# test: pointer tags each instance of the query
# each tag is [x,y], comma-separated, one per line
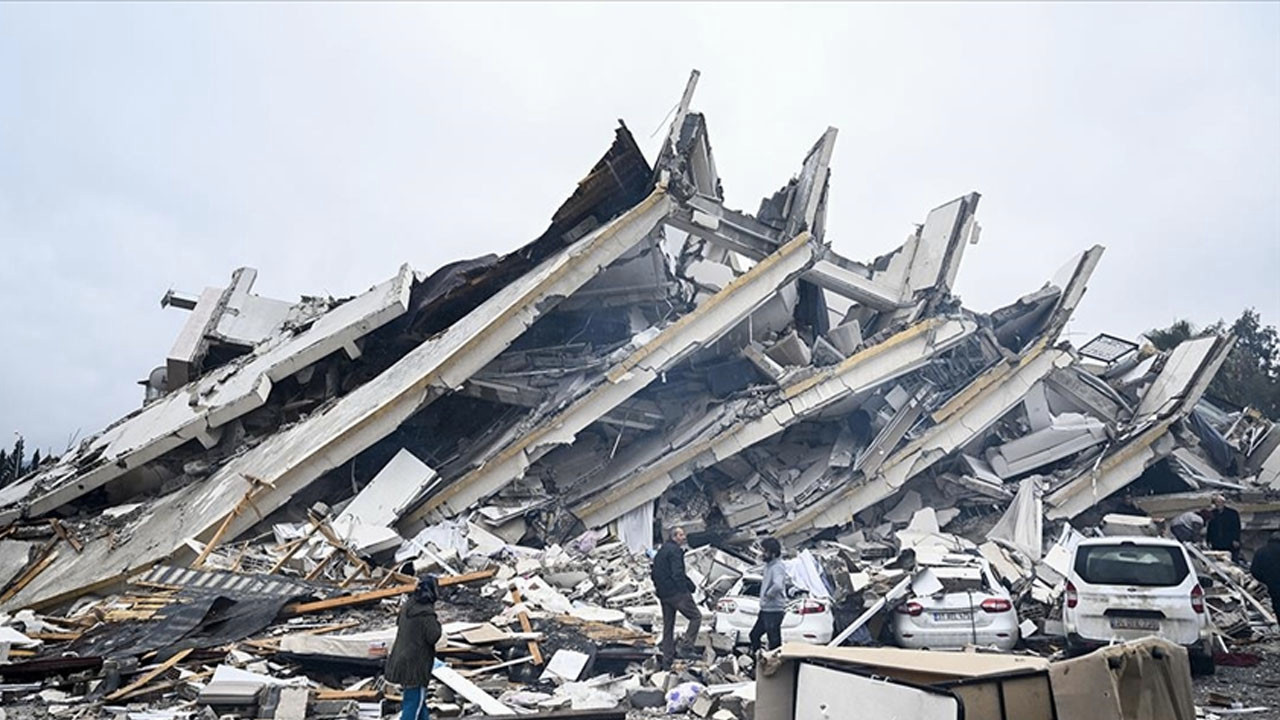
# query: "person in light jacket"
[413,655]
[773,598]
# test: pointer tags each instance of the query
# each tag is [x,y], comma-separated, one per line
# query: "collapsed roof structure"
[652,354]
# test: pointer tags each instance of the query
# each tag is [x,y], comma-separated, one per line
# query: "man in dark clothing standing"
[675,592]
[1224,527]
[1266,567]
[413,655]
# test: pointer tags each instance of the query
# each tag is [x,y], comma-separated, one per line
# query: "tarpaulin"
[1023,522]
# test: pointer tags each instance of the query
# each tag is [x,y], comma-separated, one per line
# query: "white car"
[807,620]
[971,608]
[1125,588]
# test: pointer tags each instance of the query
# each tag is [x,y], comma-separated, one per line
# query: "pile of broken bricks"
[527,426]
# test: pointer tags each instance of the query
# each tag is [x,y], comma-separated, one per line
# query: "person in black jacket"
[1266,567]
[413,654]
[1224,527]
[675,593]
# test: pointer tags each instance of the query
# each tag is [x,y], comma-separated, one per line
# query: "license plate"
[953,616]
[1134,623]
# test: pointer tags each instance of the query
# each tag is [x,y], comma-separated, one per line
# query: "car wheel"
[1201,662]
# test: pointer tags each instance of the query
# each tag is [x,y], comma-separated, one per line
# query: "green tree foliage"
[13,464]
[1251,374]
[1170,337]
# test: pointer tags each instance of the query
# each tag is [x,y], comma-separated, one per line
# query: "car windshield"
[1129,564]
[751,588]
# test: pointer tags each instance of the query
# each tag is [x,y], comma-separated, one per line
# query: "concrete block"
[846,337]
[647,697]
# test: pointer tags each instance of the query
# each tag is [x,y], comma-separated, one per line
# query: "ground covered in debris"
[1255,686]
[529,427]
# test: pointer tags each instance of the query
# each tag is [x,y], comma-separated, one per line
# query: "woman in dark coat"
[414,652]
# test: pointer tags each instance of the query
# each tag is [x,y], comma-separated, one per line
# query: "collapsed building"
[653,359]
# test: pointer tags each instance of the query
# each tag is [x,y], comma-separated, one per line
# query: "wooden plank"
[365,695]
[149,676]
[374,595]
[527,626]
[244,549]
[55,636]
[295,546]
[332,538]
[347,600]
[362,569]
[318,570]
[497,666]
[245,502]
[26,577]
[66,536]
[345,624]
[168,685]
[464,578]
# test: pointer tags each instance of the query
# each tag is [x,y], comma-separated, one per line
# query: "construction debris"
[524,426]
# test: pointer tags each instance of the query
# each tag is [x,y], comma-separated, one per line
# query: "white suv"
[1125,588]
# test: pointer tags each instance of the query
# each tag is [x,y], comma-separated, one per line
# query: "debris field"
[528,427]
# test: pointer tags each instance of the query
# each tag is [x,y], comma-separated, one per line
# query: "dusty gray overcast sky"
[144,147]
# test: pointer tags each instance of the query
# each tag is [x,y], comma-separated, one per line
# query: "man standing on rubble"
[1224,527]
[1266,568]
[675,593]
[773,598]
[413,655]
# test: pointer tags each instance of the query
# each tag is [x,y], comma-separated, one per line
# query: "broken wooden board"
[469,690]
[147,677]
[375,595]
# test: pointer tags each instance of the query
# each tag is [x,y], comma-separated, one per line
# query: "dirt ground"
[1252,686]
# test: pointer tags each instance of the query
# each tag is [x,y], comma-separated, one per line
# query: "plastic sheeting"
[450,535]
[1023,522]
[805,572]
[635,529]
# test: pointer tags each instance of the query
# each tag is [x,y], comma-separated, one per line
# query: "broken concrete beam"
[764,363]
[961,418]
[391,492]
[986,399]
[290,460]
[789,351]
[199,410]
[703,325]
[847,337]
[1066,435]
[869,368]
[1121,525]
[824,353]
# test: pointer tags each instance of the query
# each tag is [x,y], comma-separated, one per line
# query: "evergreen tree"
[18,457]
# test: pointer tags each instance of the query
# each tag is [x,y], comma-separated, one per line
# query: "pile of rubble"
[524,425]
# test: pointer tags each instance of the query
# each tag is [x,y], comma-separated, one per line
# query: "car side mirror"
[1206,581]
